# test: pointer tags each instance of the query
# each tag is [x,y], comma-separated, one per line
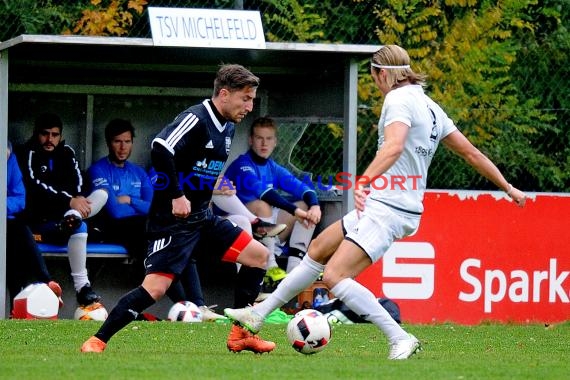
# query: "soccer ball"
[309,331]
[94,312]
[185,311]
[309,312]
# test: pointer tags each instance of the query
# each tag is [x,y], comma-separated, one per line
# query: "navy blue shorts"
[211,235]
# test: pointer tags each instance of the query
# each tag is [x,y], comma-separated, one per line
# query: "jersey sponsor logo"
[409,271]
[204,169]
[100,181]
[424,152]
[212,166]
[209,145]
[246,168]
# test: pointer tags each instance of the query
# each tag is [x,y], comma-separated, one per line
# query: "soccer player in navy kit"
[188,156]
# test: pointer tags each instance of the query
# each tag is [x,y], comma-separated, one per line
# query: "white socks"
[77,256]
[293,262]
[232,205]
[241,221]
[298,280]
[269,242]
[98,199]
[301,237]
[77,243]
[363,302]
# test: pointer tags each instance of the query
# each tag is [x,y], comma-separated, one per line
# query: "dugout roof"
[299,81]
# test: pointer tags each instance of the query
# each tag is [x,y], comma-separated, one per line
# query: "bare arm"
[395,135]
[394,139]
[459,144]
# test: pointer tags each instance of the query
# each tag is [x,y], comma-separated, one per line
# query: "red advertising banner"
[477,257]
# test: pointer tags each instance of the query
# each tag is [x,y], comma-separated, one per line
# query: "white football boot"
[246,317]
[404,348]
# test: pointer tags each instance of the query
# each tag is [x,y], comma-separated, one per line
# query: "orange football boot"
[93,344]
[242,340]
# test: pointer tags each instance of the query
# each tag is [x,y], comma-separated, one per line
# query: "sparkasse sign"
[476,257]
[195,27]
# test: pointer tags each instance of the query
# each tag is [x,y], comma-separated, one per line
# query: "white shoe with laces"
[404,348]
[209,315]
[246,317]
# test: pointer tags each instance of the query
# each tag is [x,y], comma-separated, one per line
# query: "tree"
[108,18]
[37,16]
[541,72]
[468,50]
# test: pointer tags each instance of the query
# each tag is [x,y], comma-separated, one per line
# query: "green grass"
[166,350]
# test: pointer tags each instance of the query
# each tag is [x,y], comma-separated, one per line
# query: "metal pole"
[3,176]
[350,128]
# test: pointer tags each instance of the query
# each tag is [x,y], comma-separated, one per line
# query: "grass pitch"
[166,350]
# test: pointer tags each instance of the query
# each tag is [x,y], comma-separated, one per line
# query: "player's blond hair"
[396,61]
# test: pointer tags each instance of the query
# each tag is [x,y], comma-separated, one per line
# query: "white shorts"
[378,227]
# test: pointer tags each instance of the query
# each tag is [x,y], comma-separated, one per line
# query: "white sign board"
[206,28]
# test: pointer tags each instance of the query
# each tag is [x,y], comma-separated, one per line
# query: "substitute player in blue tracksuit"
[123,219]
[257,178]
[188,156]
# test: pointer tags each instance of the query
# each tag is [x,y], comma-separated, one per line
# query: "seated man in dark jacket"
[53,184]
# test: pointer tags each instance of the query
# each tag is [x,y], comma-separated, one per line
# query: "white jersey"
[403,185]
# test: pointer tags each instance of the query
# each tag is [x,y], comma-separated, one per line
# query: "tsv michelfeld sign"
[206,28]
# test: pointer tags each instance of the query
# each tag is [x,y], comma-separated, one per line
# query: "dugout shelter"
[90,80]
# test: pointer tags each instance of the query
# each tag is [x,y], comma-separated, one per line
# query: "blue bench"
[100,250]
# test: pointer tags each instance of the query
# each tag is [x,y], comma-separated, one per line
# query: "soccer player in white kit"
[410,128]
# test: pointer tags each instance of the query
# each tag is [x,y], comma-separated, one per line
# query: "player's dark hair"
[234,77]
[264,122]
[117,126]
[47,121]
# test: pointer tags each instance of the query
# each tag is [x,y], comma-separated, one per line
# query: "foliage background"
[499,68]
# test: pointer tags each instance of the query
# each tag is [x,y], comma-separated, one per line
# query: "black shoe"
[70,222]
[263,229]
[86,296]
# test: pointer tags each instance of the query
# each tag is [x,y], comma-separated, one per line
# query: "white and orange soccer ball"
[185,311]
[94,312]
[309,332]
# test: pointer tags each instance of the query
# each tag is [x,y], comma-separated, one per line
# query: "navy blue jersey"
[188,155]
